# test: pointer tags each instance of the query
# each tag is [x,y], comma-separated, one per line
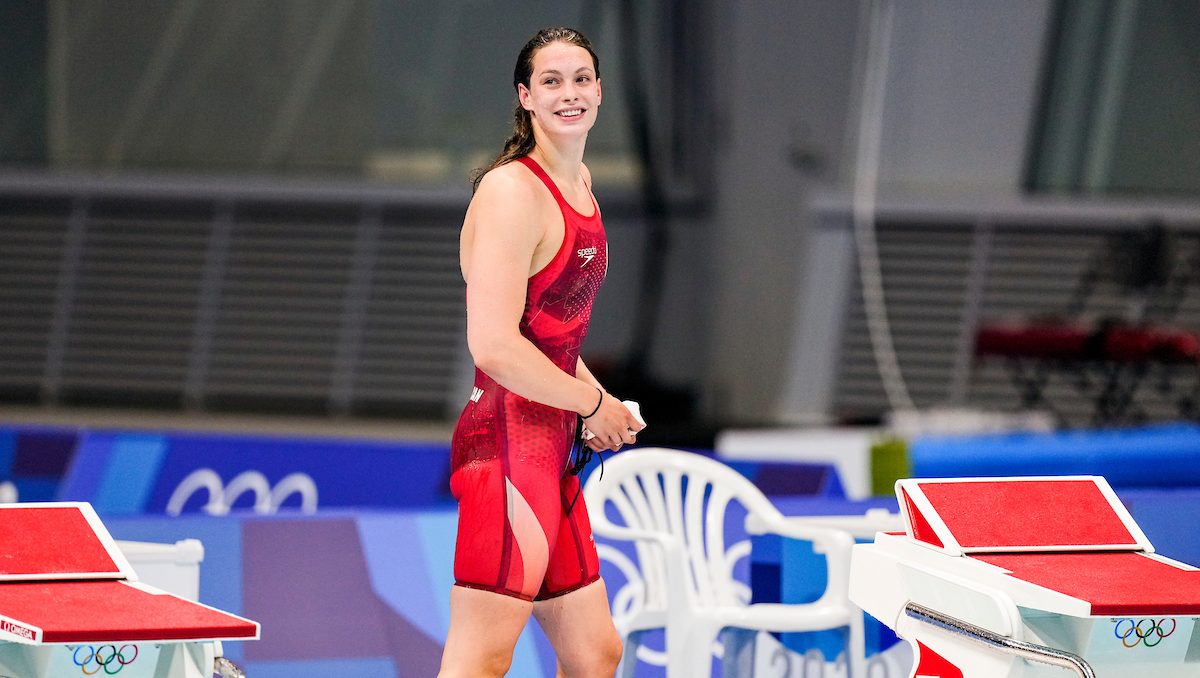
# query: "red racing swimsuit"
[518,532]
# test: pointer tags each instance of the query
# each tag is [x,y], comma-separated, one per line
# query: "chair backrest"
[684,498]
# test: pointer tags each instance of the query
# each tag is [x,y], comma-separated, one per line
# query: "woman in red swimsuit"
[533,254]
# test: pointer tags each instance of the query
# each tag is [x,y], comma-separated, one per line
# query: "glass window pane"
[1121,107]
[401,92]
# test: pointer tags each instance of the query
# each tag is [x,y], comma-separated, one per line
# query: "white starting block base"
[129,660]
[1095,639]
[1100,640]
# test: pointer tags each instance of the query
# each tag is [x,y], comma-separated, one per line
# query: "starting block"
[1028,577]
[70,604]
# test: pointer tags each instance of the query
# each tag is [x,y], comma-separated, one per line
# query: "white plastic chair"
[673,505]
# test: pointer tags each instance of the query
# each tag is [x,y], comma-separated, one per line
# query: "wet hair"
[521,142]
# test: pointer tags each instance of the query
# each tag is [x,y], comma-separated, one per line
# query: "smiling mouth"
[570,113]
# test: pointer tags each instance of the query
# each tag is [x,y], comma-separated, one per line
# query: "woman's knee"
[612,654]
[602,658]
[497,665]
[491,666]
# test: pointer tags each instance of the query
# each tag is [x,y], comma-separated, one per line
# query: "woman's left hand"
[636,423]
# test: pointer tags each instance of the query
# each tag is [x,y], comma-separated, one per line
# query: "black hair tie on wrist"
[598,402]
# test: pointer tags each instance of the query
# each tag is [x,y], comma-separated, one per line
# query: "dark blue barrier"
[1168,517]
[35,458]
[122,472]
[1150,457]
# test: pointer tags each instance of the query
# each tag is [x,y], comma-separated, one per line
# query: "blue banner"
[125,473]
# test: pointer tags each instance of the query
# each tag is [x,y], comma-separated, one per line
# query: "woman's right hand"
[612,424]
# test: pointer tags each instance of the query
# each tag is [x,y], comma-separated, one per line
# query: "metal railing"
[1029,651]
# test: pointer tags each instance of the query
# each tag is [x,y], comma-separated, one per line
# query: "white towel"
[634,409]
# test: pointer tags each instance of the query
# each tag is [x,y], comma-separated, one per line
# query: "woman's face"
[563,92]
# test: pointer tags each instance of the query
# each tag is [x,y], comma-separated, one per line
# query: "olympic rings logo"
[221,497]
[1148,632]
[107,658]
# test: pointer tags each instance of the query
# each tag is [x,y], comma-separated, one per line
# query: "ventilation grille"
[1029,270]
[33,237]
[136,282]
[342,307]
[924,275]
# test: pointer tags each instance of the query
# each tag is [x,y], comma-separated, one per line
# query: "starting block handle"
[1030,651]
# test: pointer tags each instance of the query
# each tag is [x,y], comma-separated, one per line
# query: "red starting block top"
[98,611]
[63,580]
[990,515]
[1116,584]
[57,541]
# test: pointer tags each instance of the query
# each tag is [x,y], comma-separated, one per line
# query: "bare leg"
[484,628]
[580,627]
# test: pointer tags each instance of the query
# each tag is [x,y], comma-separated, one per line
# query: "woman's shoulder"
[509,190]
[508,178]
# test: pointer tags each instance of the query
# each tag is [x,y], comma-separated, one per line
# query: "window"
[400,92]
[1121,105]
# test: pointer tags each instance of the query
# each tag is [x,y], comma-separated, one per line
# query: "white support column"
[185,660]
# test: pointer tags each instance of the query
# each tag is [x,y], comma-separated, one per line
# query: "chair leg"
[739,652]
[689,650]
[856,646]
[629,660]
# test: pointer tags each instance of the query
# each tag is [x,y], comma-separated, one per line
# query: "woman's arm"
[504,224]
[584,374]
[505,228]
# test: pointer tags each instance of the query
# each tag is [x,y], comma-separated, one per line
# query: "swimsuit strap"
[541,174]
[558,196]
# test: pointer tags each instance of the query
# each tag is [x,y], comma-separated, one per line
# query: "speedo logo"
[17,630]
[587,254]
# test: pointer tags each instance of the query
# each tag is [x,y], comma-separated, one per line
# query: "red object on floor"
[1064,341]
[1148,343]
[1069,341]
